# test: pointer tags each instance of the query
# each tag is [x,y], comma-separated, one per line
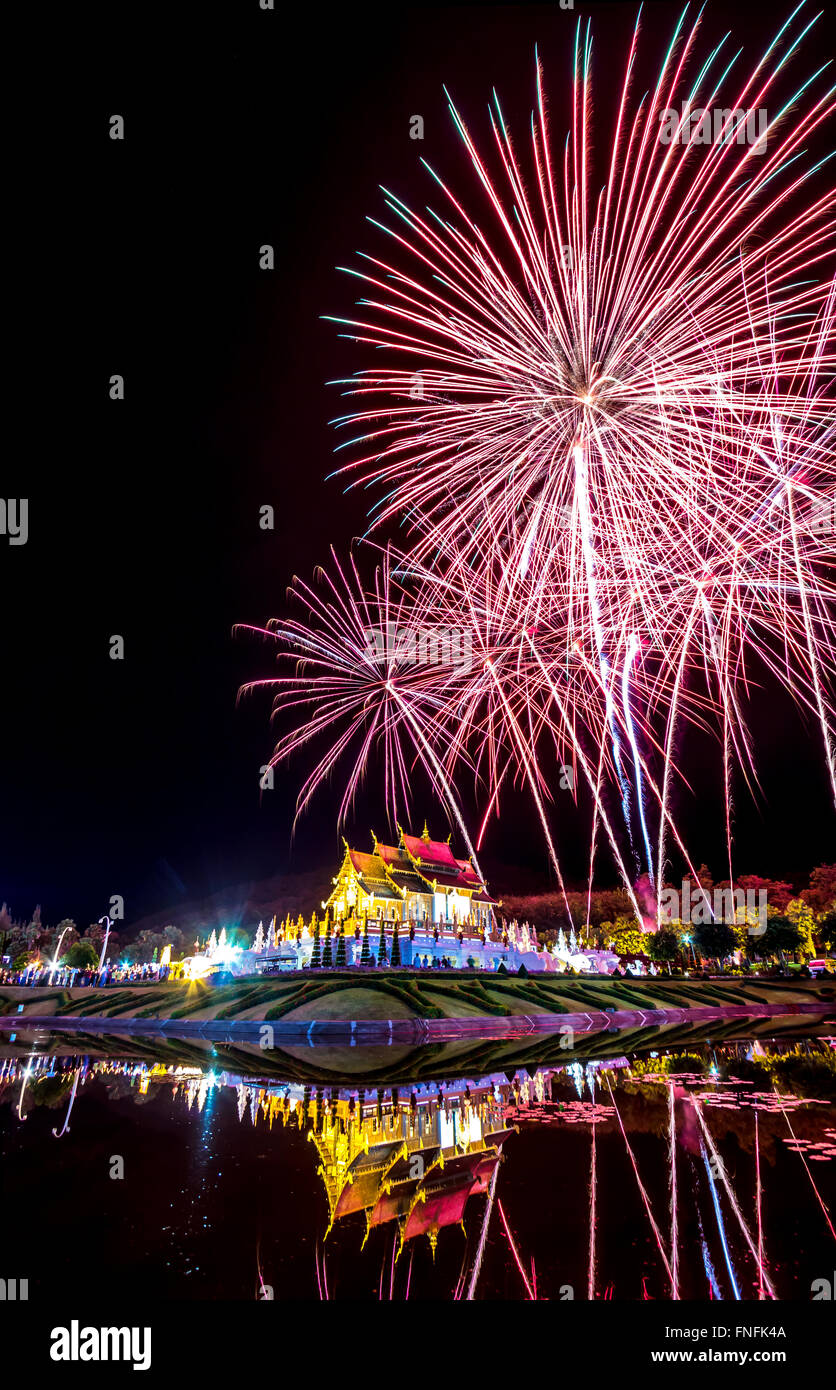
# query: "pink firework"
[607,419]
[354,683]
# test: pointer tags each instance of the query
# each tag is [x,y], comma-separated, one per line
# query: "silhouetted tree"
[715,939]
[663,945]
[82,955]
[316,953]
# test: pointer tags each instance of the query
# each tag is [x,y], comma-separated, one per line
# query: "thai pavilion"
[417,881]
[413,905]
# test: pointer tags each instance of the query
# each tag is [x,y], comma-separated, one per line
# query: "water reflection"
[654,1174]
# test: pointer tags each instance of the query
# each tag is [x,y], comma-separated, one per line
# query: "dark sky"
[140,777]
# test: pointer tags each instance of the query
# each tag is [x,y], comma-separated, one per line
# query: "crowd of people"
[64,977]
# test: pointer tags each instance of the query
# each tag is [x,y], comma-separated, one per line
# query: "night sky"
[140,777]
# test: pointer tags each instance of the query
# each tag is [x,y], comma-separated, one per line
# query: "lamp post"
[54,962]
[106,939]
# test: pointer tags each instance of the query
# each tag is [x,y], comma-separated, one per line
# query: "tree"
[141,951]
[827,930]
[781,935]
[664,945]
[82,955]
[95,933]
[365,957]
[715,940]
[801,917]
[627,938]
[327,958]
[175,938]
[778,893]
[6,928]
[17,944]
[72,933]
[340,943]
[396,946]
[821,895]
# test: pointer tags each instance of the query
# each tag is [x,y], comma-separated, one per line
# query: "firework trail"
[713,1286]
[674,1206]
[322,1284]
[718,1166]
[480,1252]
[819,1197]
[758,1192]
[529,1290]
[593,1185]
[718,1212]
[643,1192]
[261,1284]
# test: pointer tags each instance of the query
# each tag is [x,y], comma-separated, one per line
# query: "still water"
[653,1163]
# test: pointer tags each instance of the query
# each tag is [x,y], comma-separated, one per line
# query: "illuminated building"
[419,880]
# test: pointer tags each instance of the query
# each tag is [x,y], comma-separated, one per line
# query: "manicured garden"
[399,994]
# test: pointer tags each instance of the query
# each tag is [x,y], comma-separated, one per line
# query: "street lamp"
[106,938]
[54,962]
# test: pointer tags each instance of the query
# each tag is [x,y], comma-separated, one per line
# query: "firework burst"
[607,428]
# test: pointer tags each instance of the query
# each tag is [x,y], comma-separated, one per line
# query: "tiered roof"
[416,865]
[379,1183]
[371,871]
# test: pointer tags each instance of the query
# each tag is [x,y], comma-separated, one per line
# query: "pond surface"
[659,1166]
